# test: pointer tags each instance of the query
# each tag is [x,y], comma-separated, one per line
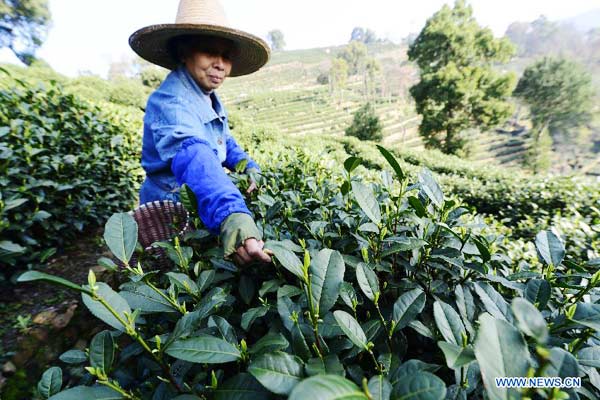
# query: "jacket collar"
[206,112]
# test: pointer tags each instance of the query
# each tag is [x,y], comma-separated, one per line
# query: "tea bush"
[381,290]
[64,166]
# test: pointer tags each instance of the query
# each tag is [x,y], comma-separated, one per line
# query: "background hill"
[287,95]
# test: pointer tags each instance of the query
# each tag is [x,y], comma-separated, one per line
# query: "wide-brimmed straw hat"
[200,17]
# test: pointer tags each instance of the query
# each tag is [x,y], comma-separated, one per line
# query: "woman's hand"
[251,251]
[252,187]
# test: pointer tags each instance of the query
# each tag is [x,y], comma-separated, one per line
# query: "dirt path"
[39,321]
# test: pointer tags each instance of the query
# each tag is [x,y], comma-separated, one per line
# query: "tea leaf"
[287,259]
[550,247]
[501,351]
[407,307]
[279,372]
[327,273]
[530,319]
[30,276]
[51,382]
[225,329]
[367,280]
[327,387]
[589,356]
[120,235]
[588,315]
[203,349]
[448,322]
[351,328]
[457,356]
[270,343]
[431,187]
[367,201]
[423,386]
[380,388]
[392,161]
[242,387]
[73,357]
[102,351]
[118,303]
[88,393]
[538,291]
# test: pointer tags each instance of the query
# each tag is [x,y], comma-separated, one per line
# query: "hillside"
[286,95]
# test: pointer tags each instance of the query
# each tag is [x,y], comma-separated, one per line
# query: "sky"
[87,35]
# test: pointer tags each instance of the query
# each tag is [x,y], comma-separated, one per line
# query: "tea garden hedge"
[383,284]
[64,166]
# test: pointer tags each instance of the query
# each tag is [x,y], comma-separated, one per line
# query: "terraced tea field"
[286,95]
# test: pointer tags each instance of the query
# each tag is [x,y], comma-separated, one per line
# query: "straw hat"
[204,17]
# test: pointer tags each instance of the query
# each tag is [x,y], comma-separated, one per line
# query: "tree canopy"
[276,40]
[23,26]
[366,36]
[366,124]
[458,88]
[558,91]
[355,54]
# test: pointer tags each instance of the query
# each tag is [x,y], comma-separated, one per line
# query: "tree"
[459,89]
[559,93]
[338,76]
[370,37]
[276,40]
[366,124]
[358,34]
[355,54]
[23,26]
[366,36]
[372,68]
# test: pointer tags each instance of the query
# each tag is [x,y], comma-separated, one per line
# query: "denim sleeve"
[173,122]
[197,165]
[235,154]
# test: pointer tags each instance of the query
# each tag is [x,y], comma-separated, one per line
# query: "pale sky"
[87,35]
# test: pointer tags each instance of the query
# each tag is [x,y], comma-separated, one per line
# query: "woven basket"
[159,221]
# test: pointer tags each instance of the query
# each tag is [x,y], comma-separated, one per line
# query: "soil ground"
[32,301]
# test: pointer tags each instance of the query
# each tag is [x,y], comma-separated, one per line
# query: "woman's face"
[209,63]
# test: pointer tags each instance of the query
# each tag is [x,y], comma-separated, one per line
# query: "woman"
[186,134]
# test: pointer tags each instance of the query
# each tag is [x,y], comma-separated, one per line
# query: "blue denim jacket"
[188,141]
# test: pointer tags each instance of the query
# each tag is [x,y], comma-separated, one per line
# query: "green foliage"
[23,26]
[65,168]
[458,89]
[94,89]
[323,78]
[391,290]
[366,124]
[276,40]
[338,76]
[152,76]
[559,93]
[128,92]
[355,55]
